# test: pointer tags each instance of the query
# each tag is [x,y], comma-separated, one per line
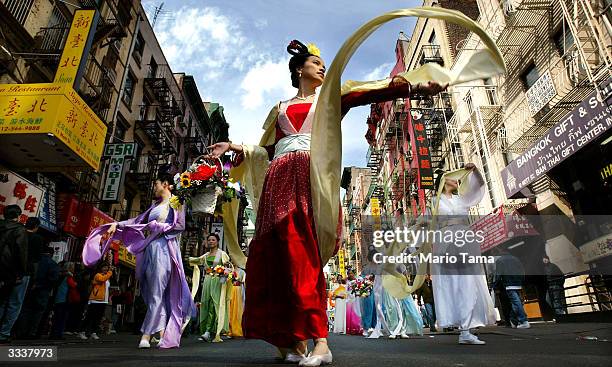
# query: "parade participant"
[154,238]
[297,197]
[340,294]
[353,308]
[285,232]
[214,302]
[460,290]
[236,304]
[368,307]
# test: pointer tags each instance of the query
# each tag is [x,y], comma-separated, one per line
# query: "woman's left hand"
[470,166]
[431,88]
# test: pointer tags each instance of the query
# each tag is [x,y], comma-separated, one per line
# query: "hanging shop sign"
[126,257]
[597,249]
[540,93]
[47,212]
[588,121]
[79,218]
[499,227]
[418,135]
[49,124]
[117,154]
[341,267]
[16,190]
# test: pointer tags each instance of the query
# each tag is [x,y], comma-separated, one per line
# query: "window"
[564,39]
[128,89]
[432,38]
[138,48]
[152,68]
[121,128]
[530,76]
[490,91]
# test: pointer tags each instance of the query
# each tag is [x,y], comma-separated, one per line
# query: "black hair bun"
[297,48]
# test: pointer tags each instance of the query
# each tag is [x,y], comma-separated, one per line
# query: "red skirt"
[285,288]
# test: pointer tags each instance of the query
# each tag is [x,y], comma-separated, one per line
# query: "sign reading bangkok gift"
[589,120]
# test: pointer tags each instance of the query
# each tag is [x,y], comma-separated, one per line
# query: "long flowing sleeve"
[475,189]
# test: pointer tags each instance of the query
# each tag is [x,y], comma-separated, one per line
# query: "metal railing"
[19,8]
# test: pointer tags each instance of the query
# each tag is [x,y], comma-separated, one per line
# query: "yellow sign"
[56,109]
[341,263]
[73,53]
[126,257]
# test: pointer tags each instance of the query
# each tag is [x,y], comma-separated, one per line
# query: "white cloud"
[204,40]
[261,23]
[267,80]
[380,72]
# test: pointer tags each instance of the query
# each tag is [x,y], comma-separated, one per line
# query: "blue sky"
[236,52]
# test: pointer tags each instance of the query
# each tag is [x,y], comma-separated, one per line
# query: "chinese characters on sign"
[589,120]
[597,249]
[47,207]
[540,93]
[499,227]
[421,147]
[73,59]
[59,110]
[16,190]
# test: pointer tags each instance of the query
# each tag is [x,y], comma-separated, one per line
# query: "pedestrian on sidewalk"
[509,276]
[14,277]
[555,291]
[98,300]
[44,284]
[66,294]
[425,298]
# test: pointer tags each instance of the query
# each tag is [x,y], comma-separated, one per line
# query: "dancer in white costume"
[460,291]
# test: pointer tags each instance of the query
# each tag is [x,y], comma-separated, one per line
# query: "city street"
[542,345]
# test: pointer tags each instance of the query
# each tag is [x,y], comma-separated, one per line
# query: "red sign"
[499,227]
[81,218]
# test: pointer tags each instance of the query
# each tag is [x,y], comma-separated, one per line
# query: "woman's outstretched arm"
[398,88]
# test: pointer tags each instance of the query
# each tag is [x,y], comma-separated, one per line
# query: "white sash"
[292,143]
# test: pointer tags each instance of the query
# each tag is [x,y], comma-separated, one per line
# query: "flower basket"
[206,200]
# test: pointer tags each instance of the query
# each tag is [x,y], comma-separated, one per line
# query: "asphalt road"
[542,345]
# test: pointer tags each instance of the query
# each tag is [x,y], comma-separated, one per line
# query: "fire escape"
[577,65]
[374,156]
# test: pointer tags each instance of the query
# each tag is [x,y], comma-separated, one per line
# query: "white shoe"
[523,325]
[392,336]
[317,360]
[295,358]
[365,333]
[113,332]
[205,337]
[371,330]
[470,339]
[94,336]
[513,325]
[154,340]
[404,336]
[82,336]
[68,333]
[144,344]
